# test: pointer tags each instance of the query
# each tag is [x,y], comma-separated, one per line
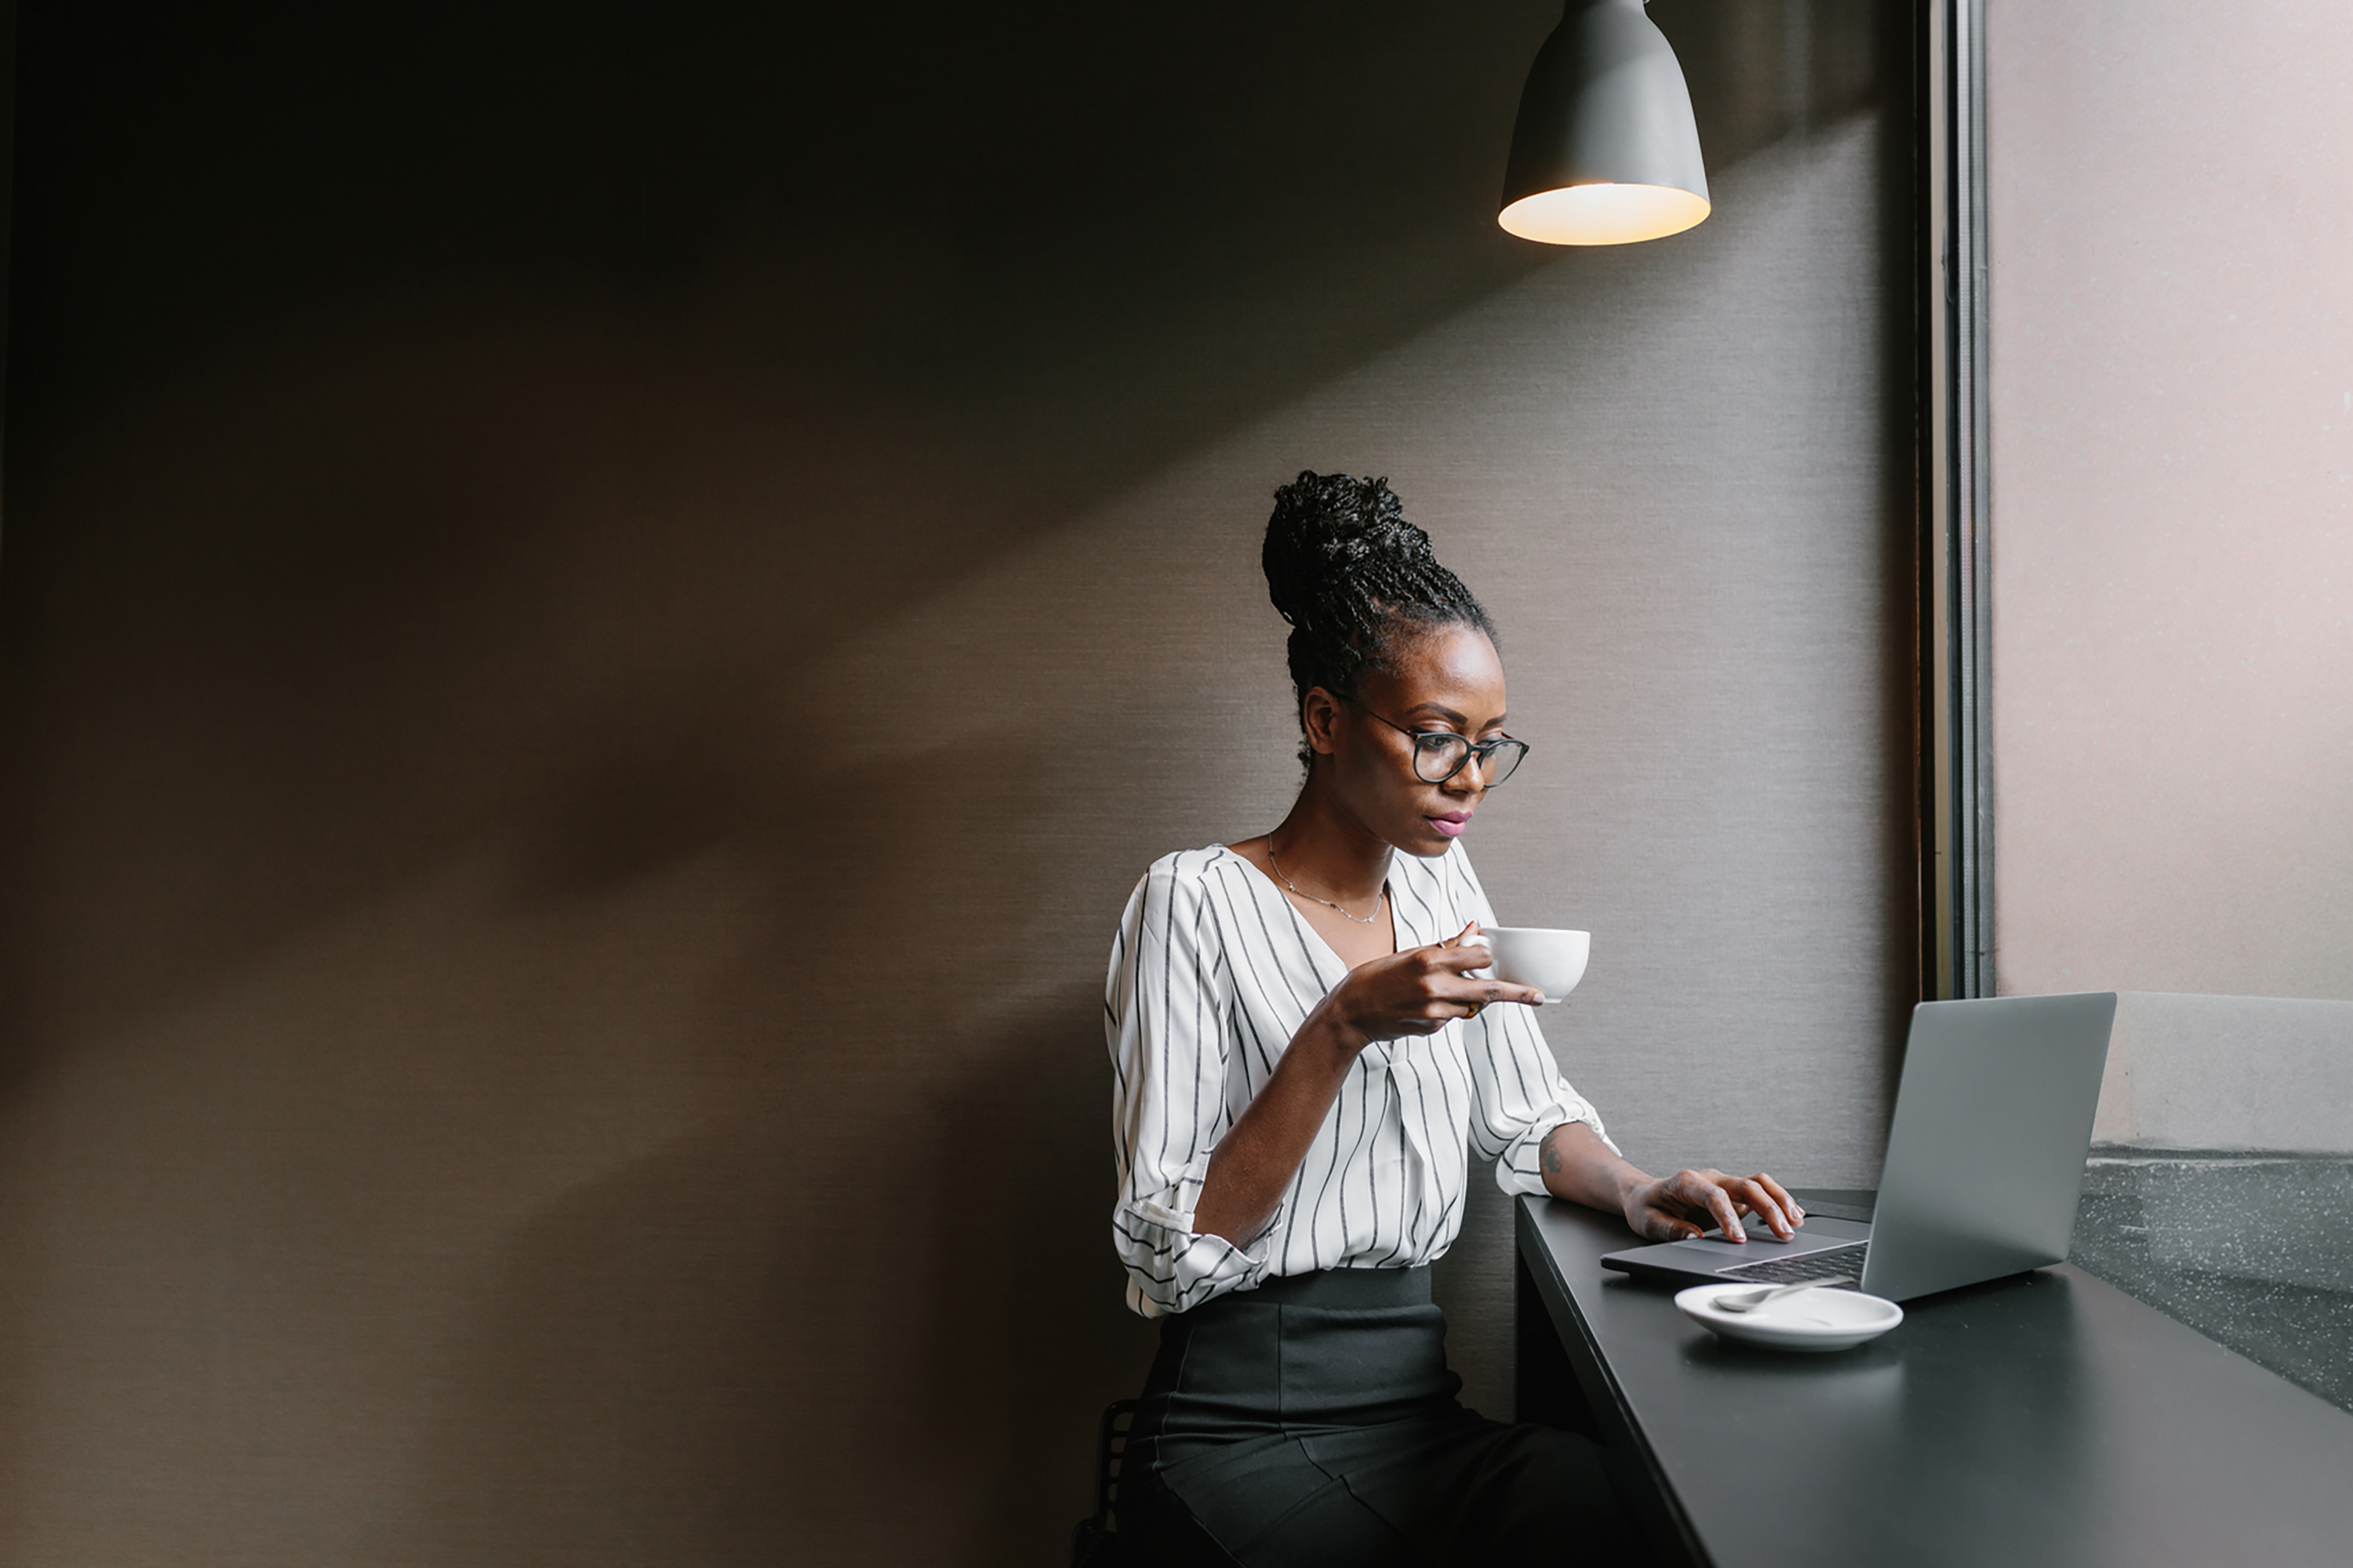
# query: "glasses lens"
[1498,760]
[1436,757]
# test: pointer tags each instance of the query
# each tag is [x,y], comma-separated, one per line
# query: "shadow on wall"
[564,811]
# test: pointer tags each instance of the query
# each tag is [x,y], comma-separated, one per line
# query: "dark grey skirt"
[1314,1420]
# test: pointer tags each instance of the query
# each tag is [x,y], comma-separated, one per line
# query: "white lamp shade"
[1604,151]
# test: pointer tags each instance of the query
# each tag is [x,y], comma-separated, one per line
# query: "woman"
[1303,1054]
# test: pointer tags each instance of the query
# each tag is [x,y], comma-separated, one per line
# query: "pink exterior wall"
[2172,379]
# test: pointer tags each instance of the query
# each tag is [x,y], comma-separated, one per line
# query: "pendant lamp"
[1604,151]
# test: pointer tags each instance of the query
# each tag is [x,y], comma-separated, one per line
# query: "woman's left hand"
[1687,1204]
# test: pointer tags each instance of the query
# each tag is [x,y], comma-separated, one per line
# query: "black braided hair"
[1353,577]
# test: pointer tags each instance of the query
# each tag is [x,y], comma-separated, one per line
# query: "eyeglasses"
[1439,754]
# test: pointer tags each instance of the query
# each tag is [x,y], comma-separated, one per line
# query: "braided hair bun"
[1353,577]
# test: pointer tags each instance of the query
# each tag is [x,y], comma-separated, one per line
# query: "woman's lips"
[1451,824]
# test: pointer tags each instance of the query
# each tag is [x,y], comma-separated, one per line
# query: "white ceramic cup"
[1552,962]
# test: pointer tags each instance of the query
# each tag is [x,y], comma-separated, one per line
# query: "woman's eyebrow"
[1441,710]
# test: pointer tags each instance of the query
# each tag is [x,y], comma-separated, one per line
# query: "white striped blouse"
[1212,973]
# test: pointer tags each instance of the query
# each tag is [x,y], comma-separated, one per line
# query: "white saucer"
[1822,1319]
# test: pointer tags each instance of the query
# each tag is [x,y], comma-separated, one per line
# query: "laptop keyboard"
[1840,1264]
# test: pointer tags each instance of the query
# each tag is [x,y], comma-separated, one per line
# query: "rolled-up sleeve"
[1519,1091]
[1165,1021]
[1521,1095]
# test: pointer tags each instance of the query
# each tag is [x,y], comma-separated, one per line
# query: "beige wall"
[563,814]
[2172,381]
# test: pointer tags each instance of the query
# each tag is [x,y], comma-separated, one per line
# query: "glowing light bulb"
[1603,214]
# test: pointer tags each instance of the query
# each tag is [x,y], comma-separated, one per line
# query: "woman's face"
[1448,678]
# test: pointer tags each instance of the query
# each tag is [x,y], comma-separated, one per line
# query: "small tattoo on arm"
[1551,1152]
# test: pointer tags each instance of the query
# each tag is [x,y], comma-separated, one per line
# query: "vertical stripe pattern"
[1212,972]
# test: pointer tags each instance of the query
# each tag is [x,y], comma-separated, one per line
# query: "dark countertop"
[2045,1419]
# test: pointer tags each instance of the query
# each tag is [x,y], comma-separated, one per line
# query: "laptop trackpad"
[1817,1234]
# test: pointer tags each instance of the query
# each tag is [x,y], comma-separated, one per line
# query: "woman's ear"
[1319,711]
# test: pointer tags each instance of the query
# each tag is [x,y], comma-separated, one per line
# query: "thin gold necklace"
[1325,902]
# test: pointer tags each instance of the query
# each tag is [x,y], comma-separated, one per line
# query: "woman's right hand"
[1420,990]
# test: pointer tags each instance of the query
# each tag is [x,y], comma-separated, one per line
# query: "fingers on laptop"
[1671,1219]
[1724,1199]
[1720,1203]
[1673,1208]
[1778,1201]
[1694,1199]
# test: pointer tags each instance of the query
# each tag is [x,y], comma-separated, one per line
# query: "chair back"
[1094,1542]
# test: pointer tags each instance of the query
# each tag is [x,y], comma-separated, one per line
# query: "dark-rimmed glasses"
[1440,754]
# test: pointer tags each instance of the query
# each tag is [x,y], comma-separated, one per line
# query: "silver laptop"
[1985,1160]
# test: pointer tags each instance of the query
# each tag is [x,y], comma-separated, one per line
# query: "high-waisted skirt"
[1313,1421]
